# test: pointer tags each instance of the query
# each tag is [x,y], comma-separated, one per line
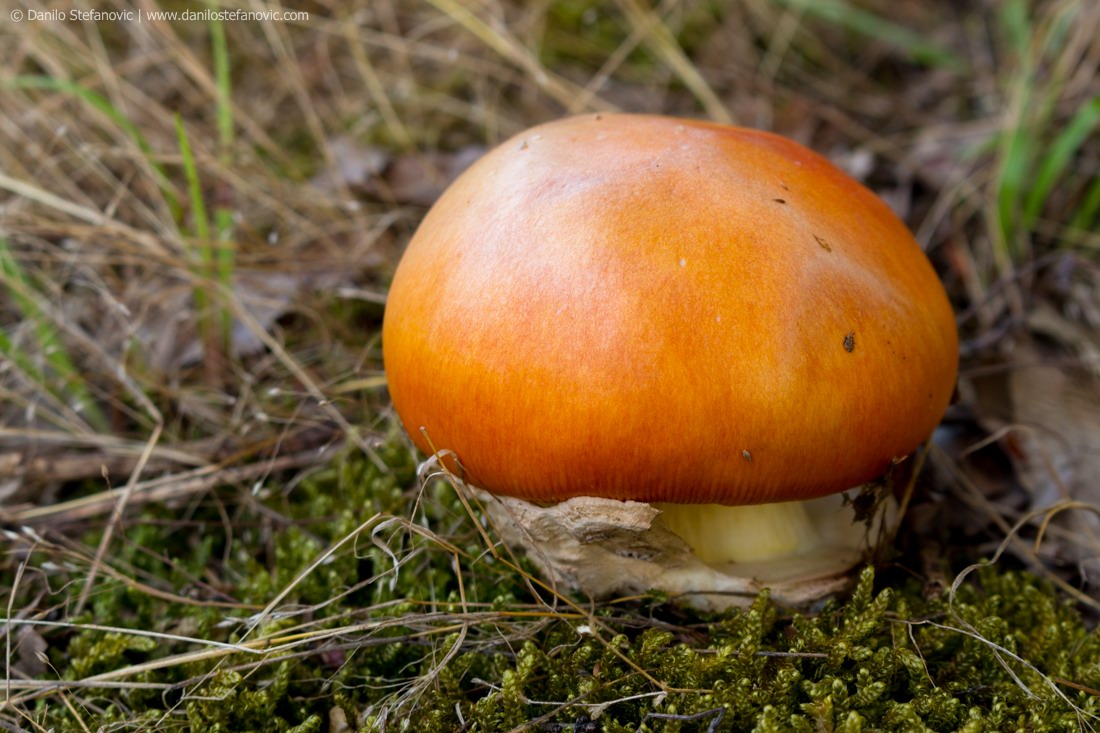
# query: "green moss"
[92,652]
[227,705]
[393,648]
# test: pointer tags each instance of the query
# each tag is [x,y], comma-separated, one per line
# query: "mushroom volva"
[667,345]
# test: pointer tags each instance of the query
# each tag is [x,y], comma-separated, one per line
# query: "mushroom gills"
[768,537]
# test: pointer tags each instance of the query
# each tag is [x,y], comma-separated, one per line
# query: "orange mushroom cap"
[648,308]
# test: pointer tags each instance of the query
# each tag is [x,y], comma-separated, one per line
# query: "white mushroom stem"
[735,534]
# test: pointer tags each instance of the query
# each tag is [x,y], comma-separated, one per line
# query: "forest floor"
[211,518]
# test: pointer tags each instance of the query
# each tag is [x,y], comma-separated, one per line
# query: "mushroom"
[666,345]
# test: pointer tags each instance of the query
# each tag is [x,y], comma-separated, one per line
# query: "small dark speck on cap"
[850,341]
[780,201]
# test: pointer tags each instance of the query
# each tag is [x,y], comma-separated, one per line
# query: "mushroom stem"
[721,534]
[610,547]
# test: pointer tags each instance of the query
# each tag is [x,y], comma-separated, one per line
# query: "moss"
[404,656]
[227,705]
[92,652]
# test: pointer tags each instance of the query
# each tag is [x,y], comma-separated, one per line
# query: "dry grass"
[198,222]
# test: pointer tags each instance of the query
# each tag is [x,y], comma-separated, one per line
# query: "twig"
[7,626]
[116,516]
[718,714]
[164,488]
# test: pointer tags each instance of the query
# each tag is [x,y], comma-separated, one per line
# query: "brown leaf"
[356,165]
[167,326]
[1052,429]
[31,650]
[410,178]
[420,179]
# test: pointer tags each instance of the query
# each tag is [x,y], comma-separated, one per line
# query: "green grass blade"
[1016,143]
[1016,27]
[1058,157]
[220,49]
[56,358]
[92,99]
[199,219]
[226,261]
[1086,217]
[223,216]
[201,230]
[1016,154]
[870,25]
[104,106]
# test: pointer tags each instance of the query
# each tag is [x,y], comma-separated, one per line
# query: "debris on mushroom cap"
[647,308]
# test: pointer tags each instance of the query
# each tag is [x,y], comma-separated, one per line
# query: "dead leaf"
[31,650]
[411,178]
[356,165]
[167,329]
[1051,425]
[421,179]
[938,153]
